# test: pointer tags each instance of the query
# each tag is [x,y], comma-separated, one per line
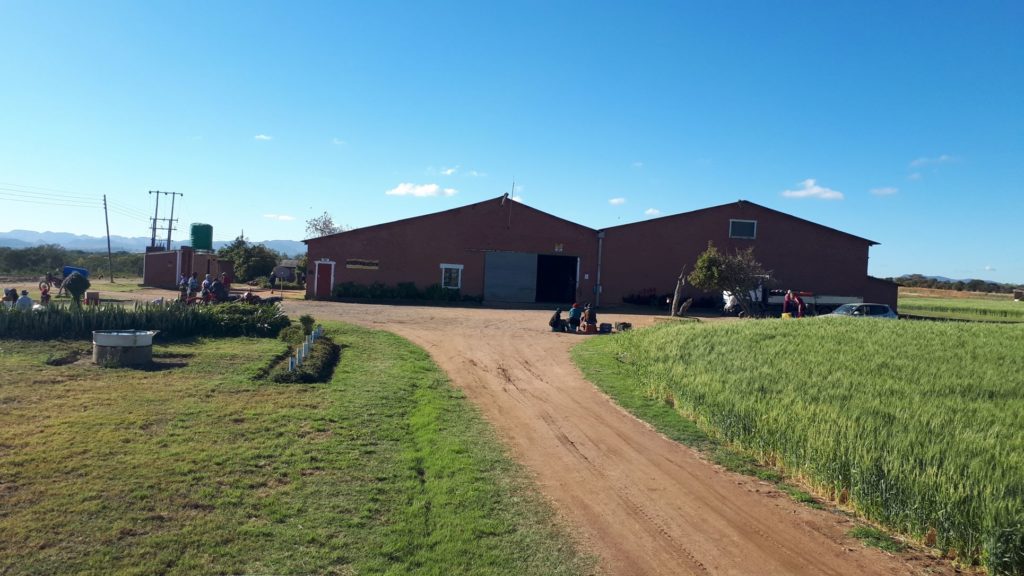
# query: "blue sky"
[900,122]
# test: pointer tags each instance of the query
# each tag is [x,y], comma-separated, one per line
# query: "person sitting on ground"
[24,303]
[250,298]
[220,293]
[556,322]
[10,296]
[575,315]
[589,325]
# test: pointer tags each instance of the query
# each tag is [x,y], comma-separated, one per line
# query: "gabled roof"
[748,203]
[518,205]
[638,223]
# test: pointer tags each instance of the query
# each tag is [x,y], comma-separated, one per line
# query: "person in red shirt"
[793,300]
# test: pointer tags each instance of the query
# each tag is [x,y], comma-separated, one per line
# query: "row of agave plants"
[172,320]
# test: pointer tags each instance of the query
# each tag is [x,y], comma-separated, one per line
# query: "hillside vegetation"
[918,425]
[38,260]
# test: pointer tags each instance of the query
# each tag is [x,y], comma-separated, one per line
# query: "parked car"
[864,311]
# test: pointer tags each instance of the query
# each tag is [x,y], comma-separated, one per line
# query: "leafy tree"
[322,225]
[250,260]
[738,273]
[76,285]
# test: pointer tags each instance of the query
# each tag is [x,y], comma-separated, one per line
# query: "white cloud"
[616,201]
[449,171]
[990,268]
[264,137]
[885,191]
[279,217]
[637,164]
[517,198]
[925,161]
[914,176]
[420,190]
[652,211]
[476,174]
[812,190]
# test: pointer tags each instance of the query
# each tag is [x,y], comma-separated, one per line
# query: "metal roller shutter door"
[510,277]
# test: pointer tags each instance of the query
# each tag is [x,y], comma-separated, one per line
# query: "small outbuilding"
[163,268]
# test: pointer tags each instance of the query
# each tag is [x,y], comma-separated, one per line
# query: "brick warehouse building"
[506,251]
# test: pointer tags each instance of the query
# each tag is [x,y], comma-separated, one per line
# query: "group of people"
[580,319]
[211,289]
[12,300]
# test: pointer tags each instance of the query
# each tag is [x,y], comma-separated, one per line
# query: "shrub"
[317,367]
[403,291]
[76,285]
[307,322]
[292,334]
[172,320]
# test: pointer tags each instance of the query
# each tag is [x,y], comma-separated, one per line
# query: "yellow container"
[787,315]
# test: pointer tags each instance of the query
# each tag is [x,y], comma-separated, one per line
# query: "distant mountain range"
[28,238]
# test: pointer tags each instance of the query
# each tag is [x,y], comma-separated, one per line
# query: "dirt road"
[644,504]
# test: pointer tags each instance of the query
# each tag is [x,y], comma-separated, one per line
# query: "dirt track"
[644,504]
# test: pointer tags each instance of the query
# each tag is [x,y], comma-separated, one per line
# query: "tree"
[250,260]
[322,225]
[738,273]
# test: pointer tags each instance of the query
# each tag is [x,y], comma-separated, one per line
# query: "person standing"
[793,300]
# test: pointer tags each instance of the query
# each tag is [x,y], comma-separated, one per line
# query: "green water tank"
[202,237]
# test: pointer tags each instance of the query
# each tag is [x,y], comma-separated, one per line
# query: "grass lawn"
[199,468]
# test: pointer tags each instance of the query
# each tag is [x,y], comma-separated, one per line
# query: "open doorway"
[556,278]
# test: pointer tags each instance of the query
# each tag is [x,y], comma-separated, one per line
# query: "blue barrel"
[68,270]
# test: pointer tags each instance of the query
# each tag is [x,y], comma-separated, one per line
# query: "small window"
[451,276]
[743,229]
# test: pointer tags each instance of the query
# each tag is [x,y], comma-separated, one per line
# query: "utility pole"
[170,223]
[110,258]
[156,217]
[156,214]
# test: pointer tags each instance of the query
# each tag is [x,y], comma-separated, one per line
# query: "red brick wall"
[800,255]
[160,269]
[413,250]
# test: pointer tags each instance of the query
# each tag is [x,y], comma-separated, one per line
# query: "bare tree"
[677,295]
[322,225]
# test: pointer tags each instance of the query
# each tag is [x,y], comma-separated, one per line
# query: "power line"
[11,198]
[50,190]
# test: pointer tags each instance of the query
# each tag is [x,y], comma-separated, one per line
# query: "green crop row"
[918,425]
[172,320]
[1003,310]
